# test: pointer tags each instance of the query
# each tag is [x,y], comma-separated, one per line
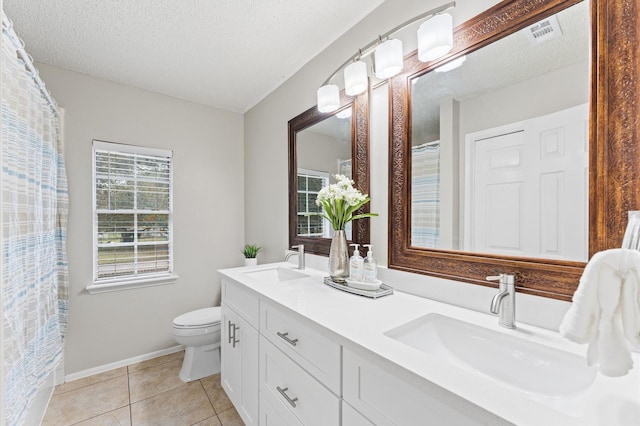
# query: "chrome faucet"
[299,253]
[504,303]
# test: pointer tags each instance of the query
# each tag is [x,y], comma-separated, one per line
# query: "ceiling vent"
[544,30]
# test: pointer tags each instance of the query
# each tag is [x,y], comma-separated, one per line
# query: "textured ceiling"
[223,53]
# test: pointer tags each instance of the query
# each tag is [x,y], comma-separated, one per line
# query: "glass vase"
[339,257]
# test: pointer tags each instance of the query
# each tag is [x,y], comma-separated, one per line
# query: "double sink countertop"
[367,326]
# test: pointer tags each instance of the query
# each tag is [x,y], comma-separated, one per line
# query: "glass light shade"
[451,65]
[435,37]
[388,59]
[356,80]
[328,98]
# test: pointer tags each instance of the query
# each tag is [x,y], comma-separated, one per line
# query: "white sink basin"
[275,275]
[529,366]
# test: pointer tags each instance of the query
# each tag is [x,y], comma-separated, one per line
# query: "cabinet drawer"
[305,344]
[242,300]
[291,390]
[269,416]
[386,398]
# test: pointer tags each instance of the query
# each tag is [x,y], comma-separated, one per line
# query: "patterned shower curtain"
[425,195]
[34,216]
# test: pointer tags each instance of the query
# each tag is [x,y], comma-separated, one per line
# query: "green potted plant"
[250,252]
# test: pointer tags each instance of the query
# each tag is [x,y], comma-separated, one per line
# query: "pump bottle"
[370,266]
[356,264]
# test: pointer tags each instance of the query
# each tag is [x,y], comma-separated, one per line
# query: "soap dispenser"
[356,265]
[370,274]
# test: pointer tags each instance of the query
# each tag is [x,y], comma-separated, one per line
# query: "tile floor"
[146,393]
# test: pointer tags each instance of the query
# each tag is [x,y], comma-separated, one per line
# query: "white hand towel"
[602,316]
[630,310]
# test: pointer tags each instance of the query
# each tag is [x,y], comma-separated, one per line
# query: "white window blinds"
[309,184]
[132,211]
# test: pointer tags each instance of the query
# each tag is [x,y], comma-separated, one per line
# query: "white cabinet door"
[239,364]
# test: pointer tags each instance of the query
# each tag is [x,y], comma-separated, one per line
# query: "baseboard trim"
[123,363]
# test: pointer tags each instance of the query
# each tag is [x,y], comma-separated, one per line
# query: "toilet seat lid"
[198,318]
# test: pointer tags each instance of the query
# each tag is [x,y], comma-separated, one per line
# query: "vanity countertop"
[360,323]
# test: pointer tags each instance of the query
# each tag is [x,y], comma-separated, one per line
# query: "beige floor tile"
[96,378]
[119,417]
[230,417]
[211,421]
[87,402]
[216,394]
[156,361]
[185,405]
[154,380]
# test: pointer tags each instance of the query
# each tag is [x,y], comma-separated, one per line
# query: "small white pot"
[251,262]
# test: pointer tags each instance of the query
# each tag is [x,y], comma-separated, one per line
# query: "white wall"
[320,152]
[208,209]
[266,189]
[544,94]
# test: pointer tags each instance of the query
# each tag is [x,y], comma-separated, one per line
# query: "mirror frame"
[359,167]
[614,146]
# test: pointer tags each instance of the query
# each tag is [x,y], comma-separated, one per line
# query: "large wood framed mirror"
[320,146]
[431,115]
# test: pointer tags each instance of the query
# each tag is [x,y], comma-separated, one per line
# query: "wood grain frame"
[359,167]
[614,146]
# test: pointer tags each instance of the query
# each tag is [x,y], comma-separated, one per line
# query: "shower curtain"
[425,195]
[34,216]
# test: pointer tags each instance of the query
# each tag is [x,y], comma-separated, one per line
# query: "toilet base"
[200,361]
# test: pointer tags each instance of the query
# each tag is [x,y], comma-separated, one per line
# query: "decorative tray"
[384,289]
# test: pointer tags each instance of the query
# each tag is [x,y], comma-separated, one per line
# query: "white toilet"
[199,332]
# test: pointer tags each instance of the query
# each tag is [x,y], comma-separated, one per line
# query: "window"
[132,189]
[309,184]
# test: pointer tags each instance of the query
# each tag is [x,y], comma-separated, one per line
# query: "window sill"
[130,283]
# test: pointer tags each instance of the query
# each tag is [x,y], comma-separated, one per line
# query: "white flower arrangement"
[340,200]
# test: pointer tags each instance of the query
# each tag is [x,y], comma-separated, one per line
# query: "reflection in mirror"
[550,271]
[322,145]
[323,150]
[499,145]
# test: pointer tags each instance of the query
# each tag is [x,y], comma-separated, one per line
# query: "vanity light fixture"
[388,56]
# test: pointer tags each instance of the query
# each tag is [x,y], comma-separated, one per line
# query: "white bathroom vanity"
[298,352]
